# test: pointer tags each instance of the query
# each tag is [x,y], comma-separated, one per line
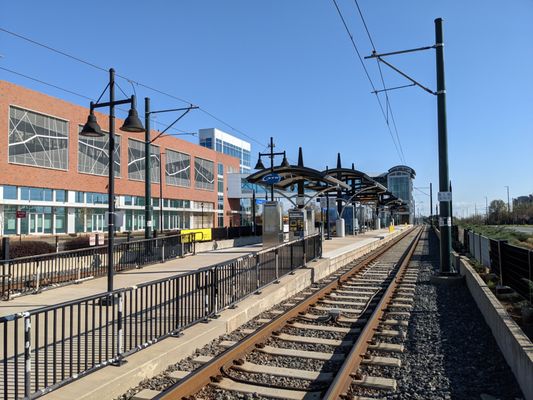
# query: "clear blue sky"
[287,69]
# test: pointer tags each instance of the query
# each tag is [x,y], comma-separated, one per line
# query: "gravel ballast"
[450,352]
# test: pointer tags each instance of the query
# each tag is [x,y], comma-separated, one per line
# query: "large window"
[136,161]
[204,174]
[37,140]
[178,168]
[10,192]
[93,155]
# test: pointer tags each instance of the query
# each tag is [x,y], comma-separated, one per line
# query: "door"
[36,223]
[98,222]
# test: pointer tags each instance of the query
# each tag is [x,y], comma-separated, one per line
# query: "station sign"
[445,196]
[271,179]
[21,214]
[260,201]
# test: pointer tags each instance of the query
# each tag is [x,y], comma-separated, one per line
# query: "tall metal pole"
[272,167]
[486,210]
[508,203]
[111,184]
[444,180]
[161,190]
[431,202]
[147,173]
[253,212]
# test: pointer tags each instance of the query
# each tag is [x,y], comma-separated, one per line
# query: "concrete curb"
[513,343]
[111,382]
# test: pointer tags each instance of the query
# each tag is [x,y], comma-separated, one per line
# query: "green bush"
[29,248]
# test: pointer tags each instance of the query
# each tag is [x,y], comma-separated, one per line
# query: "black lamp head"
[91,127]
[259,164]
[132,123]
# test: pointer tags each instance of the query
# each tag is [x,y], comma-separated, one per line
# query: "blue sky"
[287,69]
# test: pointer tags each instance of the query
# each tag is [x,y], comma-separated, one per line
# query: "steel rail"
[210,371]
[340,386]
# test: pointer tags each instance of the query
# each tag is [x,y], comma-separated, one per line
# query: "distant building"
[523,200]
[225,143]
[399,181]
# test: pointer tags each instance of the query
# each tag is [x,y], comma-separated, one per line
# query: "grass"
[499,232]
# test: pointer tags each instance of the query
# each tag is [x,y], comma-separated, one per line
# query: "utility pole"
[508,203]
[444,179]
[431,202]
[486,210]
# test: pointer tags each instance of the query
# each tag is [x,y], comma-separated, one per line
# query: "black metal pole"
[444,180]
[253,212]
[161,190]
[147,173]
[272,167]
[202,205]
[327,217]
[431,203]
[111,185]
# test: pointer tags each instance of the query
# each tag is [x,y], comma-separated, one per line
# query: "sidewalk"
[163,270]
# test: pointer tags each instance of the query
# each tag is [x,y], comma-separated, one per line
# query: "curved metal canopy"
[292,174]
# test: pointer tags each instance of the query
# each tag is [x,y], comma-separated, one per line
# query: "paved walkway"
[169,268]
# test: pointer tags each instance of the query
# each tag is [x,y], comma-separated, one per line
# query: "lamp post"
[161,189]
[148,210]
[202,206]
[91,129]
[486,210]
[271,154]
[508,203]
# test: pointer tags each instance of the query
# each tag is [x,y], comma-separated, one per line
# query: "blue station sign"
[271,179]
[260,201]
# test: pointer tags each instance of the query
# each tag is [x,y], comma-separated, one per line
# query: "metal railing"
[43,349]
[512,264]
[29,274]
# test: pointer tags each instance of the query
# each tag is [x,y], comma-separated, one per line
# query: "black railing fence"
[30,274]
[512,264]
[233,232]
[45,348]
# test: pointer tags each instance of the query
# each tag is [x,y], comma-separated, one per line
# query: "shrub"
[80,242]
[29,248]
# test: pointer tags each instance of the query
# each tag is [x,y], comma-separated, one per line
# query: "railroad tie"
[376,382]
[285,372]
[313,355]
[276,393]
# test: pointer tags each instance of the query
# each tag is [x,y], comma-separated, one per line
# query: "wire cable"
[389,107]
[132,81]
[368,76]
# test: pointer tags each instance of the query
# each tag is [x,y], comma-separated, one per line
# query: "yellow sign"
[200,235]
[391,228]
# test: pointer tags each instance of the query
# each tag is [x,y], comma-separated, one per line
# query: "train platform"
[166,269]
[110,381]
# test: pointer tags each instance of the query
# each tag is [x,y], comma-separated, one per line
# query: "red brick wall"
[23,175]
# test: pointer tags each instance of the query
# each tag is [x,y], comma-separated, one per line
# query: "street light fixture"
[91,129]
[271,154]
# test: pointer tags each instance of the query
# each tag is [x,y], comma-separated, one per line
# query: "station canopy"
[290,176]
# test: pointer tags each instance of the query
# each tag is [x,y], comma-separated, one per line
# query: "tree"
[497,212]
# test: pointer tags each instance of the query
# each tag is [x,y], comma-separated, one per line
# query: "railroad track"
[314,349]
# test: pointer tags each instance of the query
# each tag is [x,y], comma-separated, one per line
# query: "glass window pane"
[93,155]
[178,168]
[204,174]
[10,192]
[37,140]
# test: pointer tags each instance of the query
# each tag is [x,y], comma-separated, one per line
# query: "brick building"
[58,179]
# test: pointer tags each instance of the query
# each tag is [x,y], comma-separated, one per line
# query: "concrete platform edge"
[110,382]
[514,344]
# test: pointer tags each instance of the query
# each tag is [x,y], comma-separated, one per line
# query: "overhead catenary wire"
[368,77]
[179,131]
[132,81]
[388,104]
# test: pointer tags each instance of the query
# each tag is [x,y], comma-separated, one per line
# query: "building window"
[10,220]
[93,155]
[37,140]
[61,196]
[220,185]
[80,197]
[96,198]
[221,169]
[178,168]
[136,159]
[207,142]
[204,174]
[61,219]
[10,193]
[35,194]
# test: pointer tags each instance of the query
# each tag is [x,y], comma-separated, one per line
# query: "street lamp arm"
[191,107]
[114,103]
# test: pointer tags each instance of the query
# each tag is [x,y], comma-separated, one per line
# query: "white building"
[223,142]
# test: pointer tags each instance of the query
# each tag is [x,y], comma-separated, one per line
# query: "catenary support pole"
[111,185]
[444,180]
[147,173]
